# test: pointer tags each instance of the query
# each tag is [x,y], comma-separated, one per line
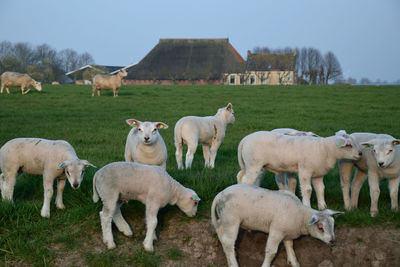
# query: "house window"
[263,80]
[232,79]
[252,79]
[241,79]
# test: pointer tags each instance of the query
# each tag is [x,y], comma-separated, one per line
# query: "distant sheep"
[15,79]
[310,157]
[208,131]
[278,213]
[151,185]
[53,159]
[108,82]
[144,143]
[380,159]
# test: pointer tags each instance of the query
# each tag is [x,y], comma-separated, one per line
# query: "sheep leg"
[48,194]
[228,240]
[345,169]
[59,196]
[98,92]
[291,256]
[206,154]
[292,182]
[93,89]
[359,178]
[22,90]
[394,192]
[7,183]
[151,224]
[305,186]
[120,222]
[319,187]
[2,88]
[192,145]
[271,248]
[281,181]
[213,151]
[374,192]
[105,218]
[253,176]
[8,91]
[178,155]
[26,91]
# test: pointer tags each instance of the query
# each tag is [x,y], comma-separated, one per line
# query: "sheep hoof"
[374,213]
[45,213]
[60,206]
[111,245]
[148,247]
[128,233]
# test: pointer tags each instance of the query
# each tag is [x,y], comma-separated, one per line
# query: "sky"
[363,34]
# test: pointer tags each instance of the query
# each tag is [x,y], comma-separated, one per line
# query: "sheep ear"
[161,125]
[340,142]
[396,142]
[229,107]
[313,220]
[332,212]
[133,122]
[63,164]
[87,163]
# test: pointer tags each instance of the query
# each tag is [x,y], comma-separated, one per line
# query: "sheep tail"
[95,194]
[241,173]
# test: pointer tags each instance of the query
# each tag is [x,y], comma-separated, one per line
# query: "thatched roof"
[188,59]
[266,62]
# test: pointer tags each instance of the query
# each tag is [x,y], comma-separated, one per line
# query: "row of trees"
[313,67]
[41,62]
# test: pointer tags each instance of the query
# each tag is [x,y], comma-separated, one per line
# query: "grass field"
[96,127]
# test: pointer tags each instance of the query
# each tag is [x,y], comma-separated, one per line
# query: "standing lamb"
[53,159]
[310,157]
[380,159]
[208,131]
[279,213]
[287,180]
[151,185]
[15,79]
[144,143]
[108,82]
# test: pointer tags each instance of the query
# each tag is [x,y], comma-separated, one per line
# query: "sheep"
[287,180]
[53,159]
[208,131]
[144,143]
[151,185]
[108,82]
[15,79]
[380,159]
[279,213]
[310,157]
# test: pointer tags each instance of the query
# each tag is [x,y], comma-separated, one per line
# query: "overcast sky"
[364,34]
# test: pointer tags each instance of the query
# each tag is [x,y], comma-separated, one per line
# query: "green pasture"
[96,128]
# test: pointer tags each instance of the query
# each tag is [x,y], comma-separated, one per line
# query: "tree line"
[42,62]
[312,66]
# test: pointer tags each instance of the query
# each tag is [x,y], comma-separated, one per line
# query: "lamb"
[149,184]
[310,157]
[287,180]
[208,131]
[53,159]
[279,213]
[15,79]
[380,159]
[108,82]
[144,143]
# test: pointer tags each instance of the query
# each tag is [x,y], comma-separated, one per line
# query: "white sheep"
[144,143]
[287,180]
[15,79]
[103,81]
[151,185]
[279,213]
[310,157]
[53,159]
[208,131]
[380,159]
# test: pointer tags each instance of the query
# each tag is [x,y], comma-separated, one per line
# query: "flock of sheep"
[284,152]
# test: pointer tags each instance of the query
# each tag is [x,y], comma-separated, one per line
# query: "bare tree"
[314,62]
[6,49]
[261,50]
[24,53]
[365,81]
[85,59]
[69,59]
[332,66]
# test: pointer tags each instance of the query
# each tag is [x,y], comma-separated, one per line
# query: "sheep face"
[227,113]
[122,73]
[384,151]
[38,86]
[321,226]
[147,131]
[188,203]
[348,147]
[74,171]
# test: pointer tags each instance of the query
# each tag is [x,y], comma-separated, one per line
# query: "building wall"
[170,82]
[260,77]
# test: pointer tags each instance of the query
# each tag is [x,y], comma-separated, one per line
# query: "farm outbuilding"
[187,61]
[87,72]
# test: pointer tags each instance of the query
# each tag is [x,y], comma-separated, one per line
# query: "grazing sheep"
[53,159]
[287,180]
[310,157]
[108,82]
[279,213]
[380,159]
[151,185]
[15,79]
[208,131]
[144,143]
